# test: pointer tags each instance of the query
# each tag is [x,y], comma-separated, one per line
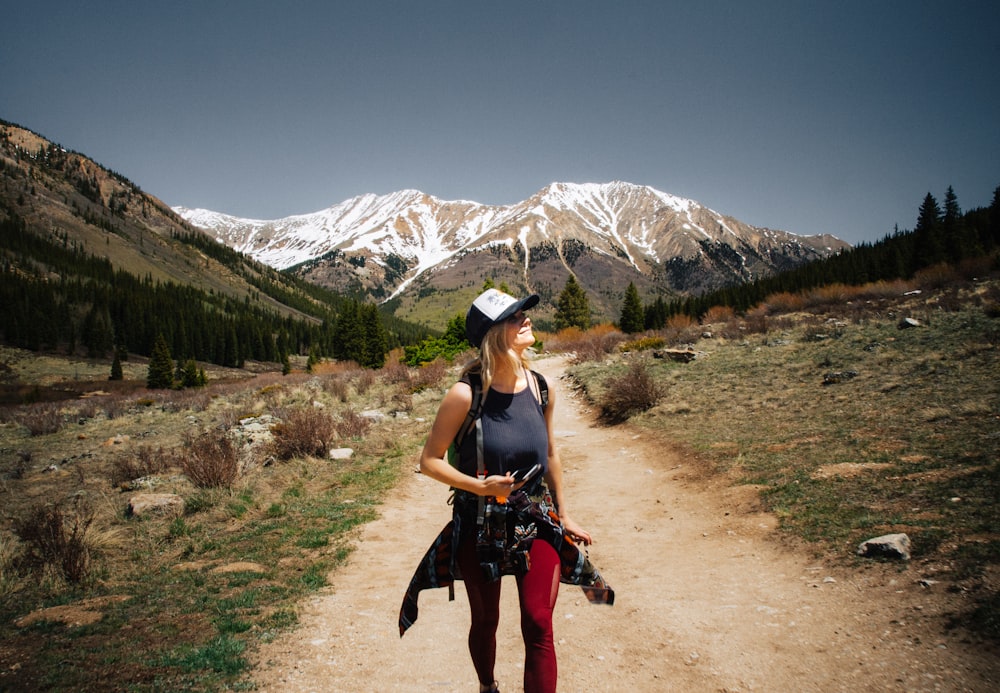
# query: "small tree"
[572,308]
[160,375]
[116,368]
[633,319]
[191,376]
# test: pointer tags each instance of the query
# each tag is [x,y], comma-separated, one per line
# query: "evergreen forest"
[57,297]
[942,236]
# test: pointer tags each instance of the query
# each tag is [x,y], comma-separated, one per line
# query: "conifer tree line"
[56,296]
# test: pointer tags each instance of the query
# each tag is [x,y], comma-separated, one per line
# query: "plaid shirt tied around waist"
[504,533]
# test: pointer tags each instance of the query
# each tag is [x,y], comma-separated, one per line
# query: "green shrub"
[643,344]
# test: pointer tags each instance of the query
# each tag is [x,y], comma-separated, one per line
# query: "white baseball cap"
[492,307]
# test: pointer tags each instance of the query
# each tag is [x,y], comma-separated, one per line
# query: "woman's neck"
[508,378]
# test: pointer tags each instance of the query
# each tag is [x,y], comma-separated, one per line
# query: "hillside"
[92,261]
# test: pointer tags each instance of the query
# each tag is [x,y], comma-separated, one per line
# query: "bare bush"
[209,460]
[87,408]
[755,321]
[785,302]
[365,380]
[303,432]
[628,394]
[338,387]
[396,373]
[935,277]
[593,345]
[430,375]
[42,418]
[115,406]
[402,401]
[143,462]
[718,314]
[352,424]
[57,538]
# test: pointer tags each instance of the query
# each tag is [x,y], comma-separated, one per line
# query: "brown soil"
[707,598]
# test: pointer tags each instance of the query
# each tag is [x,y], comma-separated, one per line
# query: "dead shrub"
[352,424]
[338,387]
[935,277]
[303,432]
[718,314]
[365,380]
[784,302]
[57,539]
[209,460]
[628,394]
[115,406]
[755,321]
[41,419]
[593,345]
[680,321]
[143,462]
[402,401]
[396,373]
[429,375]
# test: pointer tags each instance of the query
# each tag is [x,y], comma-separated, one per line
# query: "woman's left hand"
[576,532]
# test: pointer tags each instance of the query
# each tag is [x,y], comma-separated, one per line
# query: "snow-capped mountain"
[606,234]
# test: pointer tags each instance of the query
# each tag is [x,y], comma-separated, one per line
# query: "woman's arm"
[553,477]
[433,459]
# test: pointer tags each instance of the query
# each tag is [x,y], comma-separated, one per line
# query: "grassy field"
[183,594]
[847,426]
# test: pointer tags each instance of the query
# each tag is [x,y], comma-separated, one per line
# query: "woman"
[502,525]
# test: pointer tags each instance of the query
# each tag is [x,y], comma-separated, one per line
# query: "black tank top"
[514,434]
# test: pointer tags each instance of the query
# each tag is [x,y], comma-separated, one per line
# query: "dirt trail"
[705,600]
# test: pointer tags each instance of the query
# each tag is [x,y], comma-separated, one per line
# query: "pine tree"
[160,375]
[376,342]
[930,248]
[116,368]
[190,375]
[632,318]
[572,308]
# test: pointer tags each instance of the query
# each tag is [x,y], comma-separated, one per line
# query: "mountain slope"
[88,259]
[420,251]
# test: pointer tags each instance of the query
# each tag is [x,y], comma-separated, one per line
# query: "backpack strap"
[543,389]
[475,381]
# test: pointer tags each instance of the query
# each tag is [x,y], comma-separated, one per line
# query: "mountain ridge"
[387,246]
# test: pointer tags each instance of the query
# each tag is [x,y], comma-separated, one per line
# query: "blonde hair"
[494,351]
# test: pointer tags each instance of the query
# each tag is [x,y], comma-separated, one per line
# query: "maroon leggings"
[537,591]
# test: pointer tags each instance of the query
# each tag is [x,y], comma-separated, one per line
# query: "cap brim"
[524,304]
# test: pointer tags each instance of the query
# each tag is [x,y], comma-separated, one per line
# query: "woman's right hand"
[497,485]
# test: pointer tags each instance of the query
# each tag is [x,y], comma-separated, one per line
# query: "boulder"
[894,546]
[145,504]
[838,377]
[680,355]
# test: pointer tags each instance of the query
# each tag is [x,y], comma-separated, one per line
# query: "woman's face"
[519,334]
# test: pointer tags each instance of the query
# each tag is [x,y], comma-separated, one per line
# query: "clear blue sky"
[811,117]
